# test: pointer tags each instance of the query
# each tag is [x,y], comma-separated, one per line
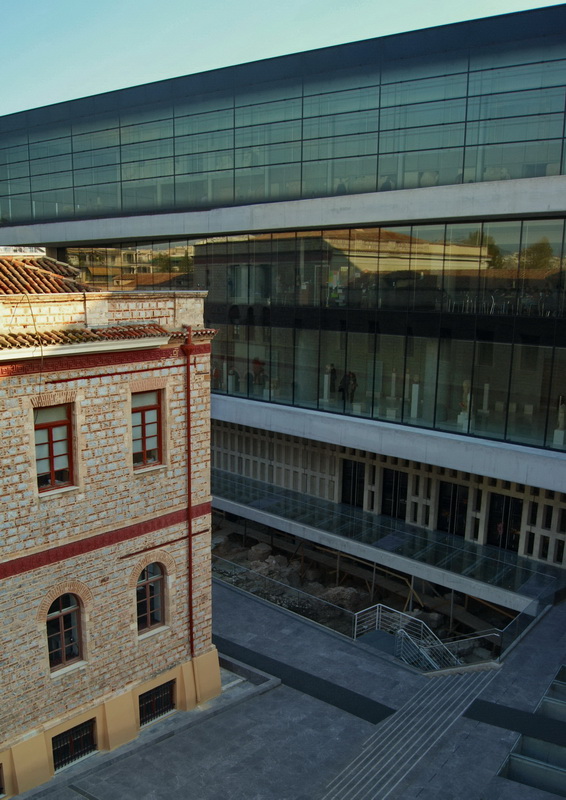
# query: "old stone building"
[104,513]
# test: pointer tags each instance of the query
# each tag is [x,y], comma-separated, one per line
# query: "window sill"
[152,632]
[49,493]
[145,470]
[70,668]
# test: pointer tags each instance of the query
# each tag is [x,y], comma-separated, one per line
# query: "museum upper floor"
[475,102]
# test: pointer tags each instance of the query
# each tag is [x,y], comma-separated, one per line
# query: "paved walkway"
[276,742]
[405,738]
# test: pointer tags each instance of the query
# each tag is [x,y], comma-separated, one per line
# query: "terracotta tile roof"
[37,275]
[19,340]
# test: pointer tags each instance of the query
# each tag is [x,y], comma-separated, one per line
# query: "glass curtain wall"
[458,327]
[449,117]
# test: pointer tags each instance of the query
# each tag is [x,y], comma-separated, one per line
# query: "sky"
[57,50]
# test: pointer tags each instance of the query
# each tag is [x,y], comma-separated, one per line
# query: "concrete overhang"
[530,466]
[527,197]
[408,566]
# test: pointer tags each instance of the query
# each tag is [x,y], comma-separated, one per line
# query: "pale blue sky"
[62,49]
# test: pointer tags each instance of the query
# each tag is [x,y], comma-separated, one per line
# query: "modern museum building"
[380,227]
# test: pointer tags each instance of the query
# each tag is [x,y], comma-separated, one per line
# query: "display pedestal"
[463,420]
[559,438]
[391,408]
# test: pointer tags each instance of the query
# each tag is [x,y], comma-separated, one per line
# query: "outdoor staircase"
[404,738]
[416,644]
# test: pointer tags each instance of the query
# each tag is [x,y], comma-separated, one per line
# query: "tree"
[538,255]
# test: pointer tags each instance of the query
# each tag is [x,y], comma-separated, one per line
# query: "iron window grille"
[73,744]
[150,597]
[157,702]
[146,429]
[63,631]
[53,447]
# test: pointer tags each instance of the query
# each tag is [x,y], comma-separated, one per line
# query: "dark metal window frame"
[147,461]
[73,744]
[157,702]
[64,644]
[148,588]
[67,423]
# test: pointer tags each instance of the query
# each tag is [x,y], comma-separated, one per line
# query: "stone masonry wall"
[107,495]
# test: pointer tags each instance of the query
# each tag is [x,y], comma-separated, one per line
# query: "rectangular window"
[74,744]
[53,446]
[157,702]
[146,429]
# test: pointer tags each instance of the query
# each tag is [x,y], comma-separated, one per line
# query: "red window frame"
[150,597]
[64,631]
[146,431]
[49,435]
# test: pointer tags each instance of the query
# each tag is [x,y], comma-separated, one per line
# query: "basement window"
[73,744]
[157,702]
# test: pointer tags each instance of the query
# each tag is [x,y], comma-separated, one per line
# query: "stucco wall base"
[29,762]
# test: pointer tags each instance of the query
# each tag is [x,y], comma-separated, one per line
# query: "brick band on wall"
[17,566]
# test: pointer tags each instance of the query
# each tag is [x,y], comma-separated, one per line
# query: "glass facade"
[477,102]
[457,327]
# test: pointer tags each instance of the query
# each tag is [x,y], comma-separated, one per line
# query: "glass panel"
[41,436]
[60,448]
[339,176]
[50,414]
[530,375]
[139,152]
[453,400]
[267,155]
[540,268]
[357,122]
[501,162]
[42,466]
[204,189]
[306,368]
[60,462]
[140,399]
[420,381]
[420,91]
[491,407]
[498,282]
[334,102]
[358,392]
[427,138]
[516,104]
[151,130]
[95,140]
[147,195]
[333,368]
[42,450]
[530,76]
[517,129]
[268,112]
[465,254]
[389,371]
[556,425]
[199,123]
[98,200]
[409,116]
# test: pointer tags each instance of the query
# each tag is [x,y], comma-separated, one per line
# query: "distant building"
[104,515]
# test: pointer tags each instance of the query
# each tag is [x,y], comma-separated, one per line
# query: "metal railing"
[416,643]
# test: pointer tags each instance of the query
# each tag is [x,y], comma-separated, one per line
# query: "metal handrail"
[383,618]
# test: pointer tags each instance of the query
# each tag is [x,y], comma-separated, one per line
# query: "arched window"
[150,597]
[64,631]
